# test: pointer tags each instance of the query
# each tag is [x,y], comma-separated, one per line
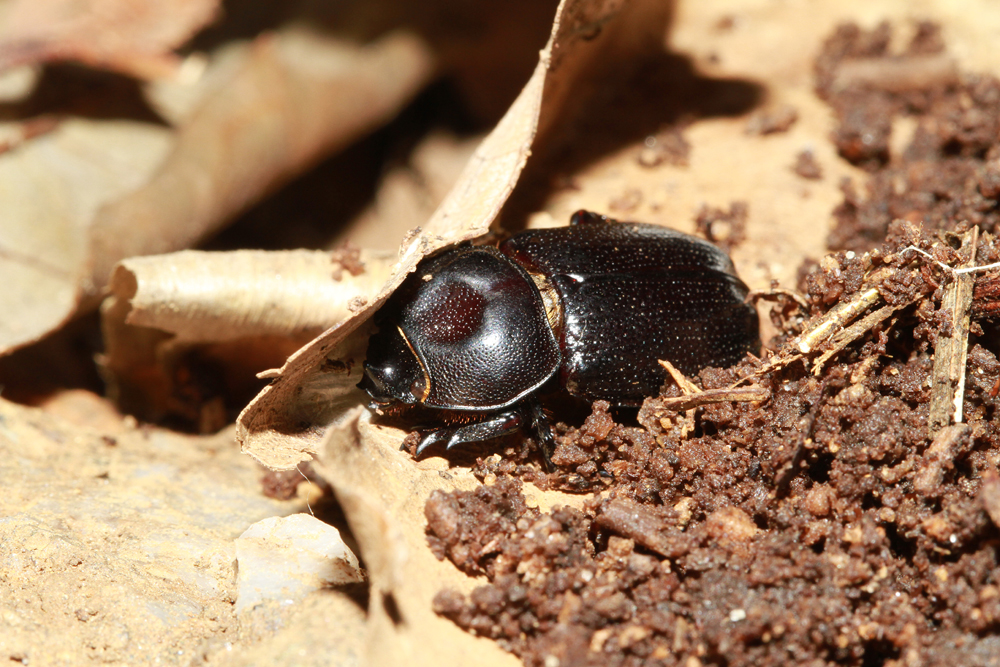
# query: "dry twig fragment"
[710,396]
[636,522]
[685,385]
[939,456]
[846,336]
[896,74]
[951,352]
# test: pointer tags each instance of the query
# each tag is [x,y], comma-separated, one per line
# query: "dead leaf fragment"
[134,37]
[218,296]
[50,190]
[277,428]
[297,97]
[88,194]
[383,495]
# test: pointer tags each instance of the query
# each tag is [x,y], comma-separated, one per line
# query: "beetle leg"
[497,425]
[540,427]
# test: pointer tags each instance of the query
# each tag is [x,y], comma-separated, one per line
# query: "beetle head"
[392,371]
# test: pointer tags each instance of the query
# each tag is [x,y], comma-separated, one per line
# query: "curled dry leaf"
[381,489]
[135,37]
[218,296]
[383,493]
[301,95]
[265,302]
[80,198]
[286,422]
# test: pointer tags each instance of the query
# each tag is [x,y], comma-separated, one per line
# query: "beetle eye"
[453,313]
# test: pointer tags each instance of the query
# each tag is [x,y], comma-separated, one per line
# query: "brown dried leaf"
[285,423]
[209,297]
[383,491]
[135,37]
[81,198]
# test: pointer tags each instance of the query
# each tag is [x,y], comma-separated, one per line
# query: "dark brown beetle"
[593,307]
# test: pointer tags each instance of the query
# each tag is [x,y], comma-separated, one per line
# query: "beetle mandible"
[477,332]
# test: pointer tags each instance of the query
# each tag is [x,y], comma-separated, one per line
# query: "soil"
[824,524]
[948,176]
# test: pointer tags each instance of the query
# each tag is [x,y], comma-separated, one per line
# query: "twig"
[951,352]
[836,319]
[686,386]
[709,396]
[845,337]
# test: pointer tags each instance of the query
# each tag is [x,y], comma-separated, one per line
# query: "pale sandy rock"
[286,558]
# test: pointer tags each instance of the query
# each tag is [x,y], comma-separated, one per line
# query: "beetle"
[478,332]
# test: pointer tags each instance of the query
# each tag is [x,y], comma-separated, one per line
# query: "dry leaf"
[383,492]
[77,200]
[210,297]
[285,423]
[408,195]
[50,190]
[264,304]
[135,37]
[296,98]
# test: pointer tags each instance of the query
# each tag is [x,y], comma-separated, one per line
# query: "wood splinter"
[951,352]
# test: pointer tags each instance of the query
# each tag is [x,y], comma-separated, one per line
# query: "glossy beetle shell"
[595,305]
[632,294]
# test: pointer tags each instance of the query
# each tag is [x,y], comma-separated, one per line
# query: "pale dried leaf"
[408,195]
[383,493]
[265,304]
[136,37]
[297,97]
[210,297]
[285,423]
[50,190]
[84,196]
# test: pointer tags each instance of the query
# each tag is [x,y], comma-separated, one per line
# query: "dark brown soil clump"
[948,176]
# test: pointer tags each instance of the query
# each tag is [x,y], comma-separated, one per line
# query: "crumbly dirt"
[824,525]
[948,174]
[726,229]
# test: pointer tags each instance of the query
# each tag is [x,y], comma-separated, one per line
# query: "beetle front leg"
[540,427]
[499,424]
